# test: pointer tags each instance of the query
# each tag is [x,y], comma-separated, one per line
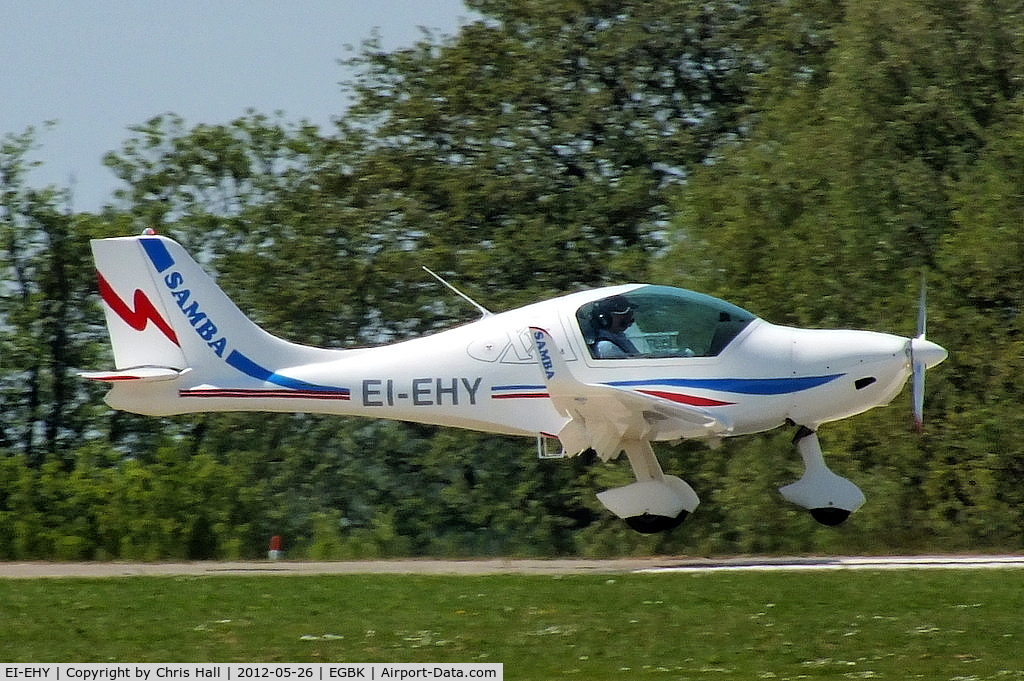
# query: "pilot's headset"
[606,308]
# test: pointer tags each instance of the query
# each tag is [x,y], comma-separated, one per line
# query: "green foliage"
[45,321]
[558,127]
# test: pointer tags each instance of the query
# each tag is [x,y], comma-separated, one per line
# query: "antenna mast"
[484,312]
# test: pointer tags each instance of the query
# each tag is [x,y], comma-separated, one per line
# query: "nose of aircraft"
[927,352]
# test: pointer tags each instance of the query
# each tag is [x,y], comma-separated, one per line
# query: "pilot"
[612,316]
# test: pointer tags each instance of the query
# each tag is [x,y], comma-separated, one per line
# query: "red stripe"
[686,399]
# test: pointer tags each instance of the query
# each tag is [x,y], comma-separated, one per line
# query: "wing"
[602,417]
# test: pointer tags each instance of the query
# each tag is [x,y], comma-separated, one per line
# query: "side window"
[658,321]
[610,330]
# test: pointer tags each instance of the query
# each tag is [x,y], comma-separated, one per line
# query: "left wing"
[603,417]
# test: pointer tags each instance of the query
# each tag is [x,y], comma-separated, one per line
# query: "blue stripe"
[744,386]
[251,368]
[158,253]
[518,387]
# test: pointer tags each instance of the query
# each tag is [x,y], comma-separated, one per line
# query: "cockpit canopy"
[666,322]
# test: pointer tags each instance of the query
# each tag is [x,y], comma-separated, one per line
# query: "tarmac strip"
[655,565]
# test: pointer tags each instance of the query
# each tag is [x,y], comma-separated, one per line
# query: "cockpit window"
[660,321]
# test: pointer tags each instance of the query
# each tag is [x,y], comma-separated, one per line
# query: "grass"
[890,625]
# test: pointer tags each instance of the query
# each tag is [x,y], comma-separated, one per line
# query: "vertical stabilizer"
[138,319]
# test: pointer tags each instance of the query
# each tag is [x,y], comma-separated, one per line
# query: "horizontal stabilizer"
[142,374]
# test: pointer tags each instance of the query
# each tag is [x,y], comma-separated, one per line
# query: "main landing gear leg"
[655,502]
[830,498]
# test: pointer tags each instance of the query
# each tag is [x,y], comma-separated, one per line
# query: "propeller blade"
[917,368]
[922,354]
[917,390]
[922,308]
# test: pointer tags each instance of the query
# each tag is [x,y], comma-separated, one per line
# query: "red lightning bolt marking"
[143,312]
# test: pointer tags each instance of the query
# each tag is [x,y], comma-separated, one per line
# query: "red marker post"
[275,548]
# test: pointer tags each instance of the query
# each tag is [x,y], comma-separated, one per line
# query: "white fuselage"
[485,376]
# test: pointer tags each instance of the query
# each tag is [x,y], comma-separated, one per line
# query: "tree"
[983,250]
[895,157]
[558,126]
[851,171]
[43,313]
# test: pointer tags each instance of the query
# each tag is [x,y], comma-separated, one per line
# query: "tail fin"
[138,321]
[166,317]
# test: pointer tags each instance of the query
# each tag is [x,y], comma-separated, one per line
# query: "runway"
[655,565]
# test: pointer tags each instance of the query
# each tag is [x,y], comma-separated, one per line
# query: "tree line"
[807,161]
